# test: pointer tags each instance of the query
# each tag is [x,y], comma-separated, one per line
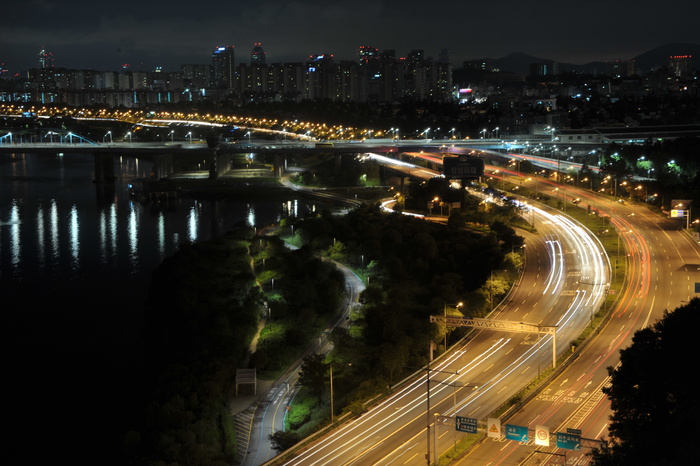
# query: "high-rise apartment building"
[196,76]
[481,64]
[370,67]
[377,77]
[680,64]
[45,59]
[544,68]
[320,77]
[619,68]
[257,56]
[222,61]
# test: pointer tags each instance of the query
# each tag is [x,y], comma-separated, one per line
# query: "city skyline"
[146,35]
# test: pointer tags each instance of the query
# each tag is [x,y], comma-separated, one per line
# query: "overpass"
[60,142]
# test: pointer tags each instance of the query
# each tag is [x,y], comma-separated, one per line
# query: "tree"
[651,392]
[313,374]
[283,440]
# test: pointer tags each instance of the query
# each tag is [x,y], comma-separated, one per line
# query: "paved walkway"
[244,406]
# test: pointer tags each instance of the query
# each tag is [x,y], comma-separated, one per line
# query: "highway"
[481,374]
[663,264]
[563,282]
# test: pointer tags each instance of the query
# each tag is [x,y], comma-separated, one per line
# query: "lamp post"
[444,311]
[427,401]
[435,437]
[454,384]
[331,375]
[330,368]
[189,135]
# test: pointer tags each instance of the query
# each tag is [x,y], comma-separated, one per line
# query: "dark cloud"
[85,34]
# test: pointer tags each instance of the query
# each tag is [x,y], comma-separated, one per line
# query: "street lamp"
[189,135]
[444,311]
[172,135]
[330,367]
[427,400]
[454,384]
[129,134]
[331,377]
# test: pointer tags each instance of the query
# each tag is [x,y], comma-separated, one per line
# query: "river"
[75,265]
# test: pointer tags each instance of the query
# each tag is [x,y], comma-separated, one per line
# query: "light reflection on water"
[56,223]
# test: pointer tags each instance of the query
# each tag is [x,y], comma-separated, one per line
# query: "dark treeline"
[673,165]
[649,391]
[415,269]
[204,306]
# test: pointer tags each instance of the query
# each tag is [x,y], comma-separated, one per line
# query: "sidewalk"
[242,402]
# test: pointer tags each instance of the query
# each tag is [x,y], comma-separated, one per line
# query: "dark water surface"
[75,265]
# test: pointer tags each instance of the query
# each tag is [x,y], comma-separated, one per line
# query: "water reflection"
[53,221]
[56,222]
[132,234]
[74,238]
[15,233]
[192,224]
[40,246]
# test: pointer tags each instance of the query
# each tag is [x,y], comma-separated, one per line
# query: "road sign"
[517,433]
[568,441]
[466,424]
[462,166]
[542,435]
[493,427]
[678,213]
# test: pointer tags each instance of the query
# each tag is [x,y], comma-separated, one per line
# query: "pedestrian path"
[243,425]
[244,405]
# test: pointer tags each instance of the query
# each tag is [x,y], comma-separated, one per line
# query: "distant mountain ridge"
[653,59]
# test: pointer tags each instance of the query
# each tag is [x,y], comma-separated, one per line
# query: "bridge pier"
[104,168]
[223,163]
[163,166]
[337,164]
[279,165]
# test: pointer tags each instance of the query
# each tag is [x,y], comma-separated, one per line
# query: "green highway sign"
[466,424]
[517,433]
[462,167]
[568,441]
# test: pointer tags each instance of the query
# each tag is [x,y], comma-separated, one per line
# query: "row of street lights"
[130,136]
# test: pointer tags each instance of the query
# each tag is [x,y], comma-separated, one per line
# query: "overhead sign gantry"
[503,326]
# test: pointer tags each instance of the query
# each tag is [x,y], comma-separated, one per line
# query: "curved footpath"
[255,415]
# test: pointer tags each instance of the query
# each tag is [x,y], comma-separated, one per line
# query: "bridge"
[59,142]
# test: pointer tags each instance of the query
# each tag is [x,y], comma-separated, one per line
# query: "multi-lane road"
[663,265]
[563,283]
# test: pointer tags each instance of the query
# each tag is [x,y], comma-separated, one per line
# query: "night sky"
[148,33]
